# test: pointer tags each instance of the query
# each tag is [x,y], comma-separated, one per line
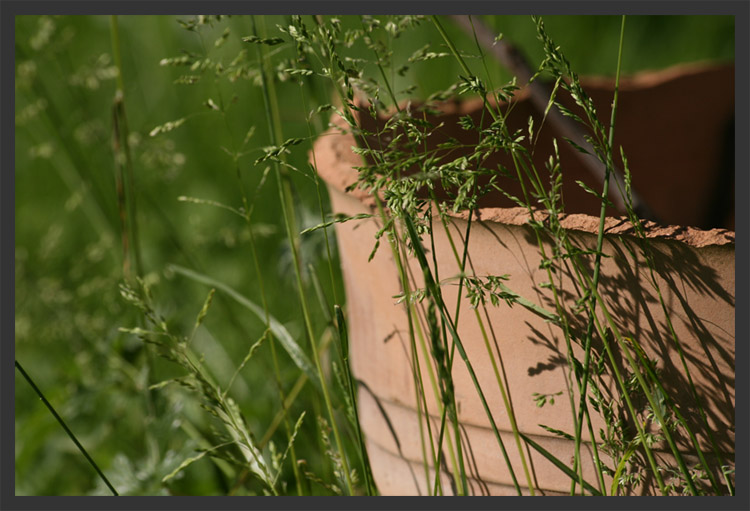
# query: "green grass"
[69,311]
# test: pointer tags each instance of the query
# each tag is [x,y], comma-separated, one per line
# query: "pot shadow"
[363,386]
[634,304]
[484,489]
[677,262]
[396,333]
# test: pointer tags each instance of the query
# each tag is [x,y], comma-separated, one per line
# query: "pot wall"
[695,274]
[700,295]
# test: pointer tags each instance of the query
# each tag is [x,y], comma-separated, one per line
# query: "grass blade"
[67,430]
[559,464]
[279,331]
[344,343]
[191,460]
[437,295]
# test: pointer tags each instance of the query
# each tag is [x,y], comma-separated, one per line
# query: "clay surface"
[694,273]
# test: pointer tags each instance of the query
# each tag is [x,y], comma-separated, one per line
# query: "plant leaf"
[559,464]
[279,331]
[337,219]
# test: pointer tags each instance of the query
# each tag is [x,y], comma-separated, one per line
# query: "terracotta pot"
[674,138]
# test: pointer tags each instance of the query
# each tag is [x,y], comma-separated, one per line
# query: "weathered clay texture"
[694,271]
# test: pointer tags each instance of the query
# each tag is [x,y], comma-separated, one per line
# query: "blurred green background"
[68,254]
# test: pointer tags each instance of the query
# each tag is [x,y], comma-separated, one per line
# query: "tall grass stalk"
[124,164]
[595,278]
[341,330]
[646,250]
[521,167]
[327,52]
[506,401]
[65,427]
[435,293]
[340,322]
[399,254]
[605,150]
[287,206]
[423,410]
[247,208]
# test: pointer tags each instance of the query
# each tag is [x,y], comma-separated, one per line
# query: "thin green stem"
[445,369]
[597,267]
[320,198]
[65,427]
[506,402]
[539,189]
[506,399]
[382,73]
[248,210]
[344,343]
[393,241]
[434,290]
[123,135]
[287,205]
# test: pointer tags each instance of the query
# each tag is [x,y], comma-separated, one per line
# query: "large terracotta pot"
[675,140]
